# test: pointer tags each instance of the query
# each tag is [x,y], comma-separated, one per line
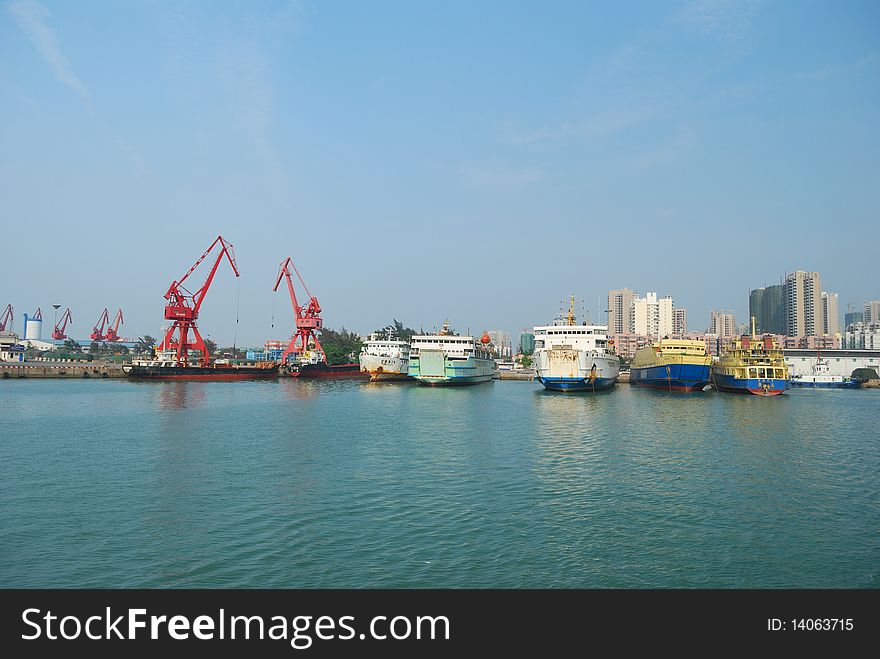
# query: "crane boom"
[183,307]
[307,319]
[6,318]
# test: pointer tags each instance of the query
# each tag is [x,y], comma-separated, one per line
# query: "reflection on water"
[178,395]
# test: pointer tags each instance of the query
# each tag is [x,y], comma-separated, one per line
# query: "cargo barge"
[165,367]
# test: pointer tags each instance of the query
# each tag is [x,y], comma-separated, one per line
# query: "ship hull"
[758,386]
[382,369]
[433,368]
[846,384]
[322,370]
[671,377]
[209,373]
[576,384]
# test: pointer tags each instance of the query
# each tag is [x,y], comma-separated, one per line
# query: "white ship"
[447,358]
[571,357]
[386,359]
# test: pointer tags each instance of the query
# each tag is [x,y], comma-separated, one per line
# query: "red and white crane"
[6,318]
[58,334]
[98,330]
[183,307]
[308,318]
[113,330]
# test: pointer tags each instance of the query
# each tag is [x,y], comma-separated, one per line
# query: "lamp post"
[54,340]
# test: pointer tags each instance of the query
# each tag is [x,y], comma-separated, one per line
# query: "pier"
[61,369]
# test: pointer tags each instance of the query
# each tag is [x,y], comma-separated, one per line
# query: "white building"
[722,324]
[10,349]
[830,314]
[872,312]
[650,316]
[862,336]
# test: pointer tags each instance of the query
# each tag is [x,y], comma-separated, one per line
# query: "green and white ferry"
[447,358]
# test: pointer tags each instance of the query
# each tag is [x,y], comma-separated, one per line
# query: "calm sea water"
[350,484]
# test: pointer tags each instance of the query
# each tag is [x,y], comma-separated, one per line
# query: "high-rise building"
[803,304]
[619,303]
[830,314]
[767,306]
[722,324]
[872,312]
[853,317]
[679,321]
[527,342]
[651,317]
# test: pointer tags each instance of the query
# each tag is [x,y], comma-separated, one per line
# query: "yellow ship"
[673,365]
[752,365]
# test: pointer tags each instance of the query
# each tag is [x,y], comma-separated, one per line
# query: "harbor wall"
[61,369]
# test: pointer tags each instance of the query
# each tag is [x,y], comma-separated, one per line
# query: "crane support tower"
[183,307]
[113,330]
[307,318]
[58,334]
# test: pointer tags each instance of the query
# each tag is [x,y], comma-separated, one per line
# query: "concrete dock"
[61,369]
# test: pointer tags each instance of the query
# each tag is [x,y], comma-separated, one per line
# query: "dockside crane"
[113,330]
[98,331]
[6,318]
[183,307]
[308,318]
[58,334]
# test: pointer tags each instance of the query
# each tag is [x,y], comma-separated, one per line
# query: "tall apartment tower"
[872,312]
[803,304]
[650,316]
[619,303]
[768,308]
[679,321]
[722,324]
[830,314]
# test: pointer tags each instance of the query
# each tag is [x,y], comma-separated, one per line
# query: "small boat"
[672,365]
[312,363]
[447,358]
[821,377]
[571,357]
[752,365]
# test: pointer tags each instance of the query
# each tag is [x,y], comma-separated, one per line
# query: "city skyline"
[472,137]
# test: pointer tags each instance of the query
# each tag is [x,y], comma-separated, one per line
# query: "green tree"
[341,346]
[211,346]
[145,343]
[72,346]
[395,330]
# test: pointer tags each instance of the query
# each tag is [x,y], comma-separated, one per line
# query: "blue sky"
[471,160]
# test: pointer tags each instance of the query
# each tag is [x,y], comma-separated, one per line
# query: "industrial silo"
[33,326]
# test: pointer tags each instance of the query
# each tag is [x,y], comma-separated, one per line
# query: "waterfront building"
[679,321]
[501,342]
[830,314]
[10,349]
[722,324]
[803,304]
[766,306]
[872,312]
[619,303]
[841,362]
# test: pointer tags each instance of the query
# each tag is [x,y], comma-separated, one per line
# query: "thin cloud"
[33,19]
[729,20]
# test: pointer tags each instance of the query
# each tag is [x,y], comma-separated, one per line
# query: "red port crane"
[308,318]
[58,333]
[113,330]
[6,318]
[183,307]
[98,332]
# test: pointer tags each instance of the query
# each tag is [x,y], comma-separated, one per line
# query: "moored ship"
[385,359]
[571,357]
[672,365]
[313,364]
[821,378]
[165,366]
[752,365]
[447,358]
